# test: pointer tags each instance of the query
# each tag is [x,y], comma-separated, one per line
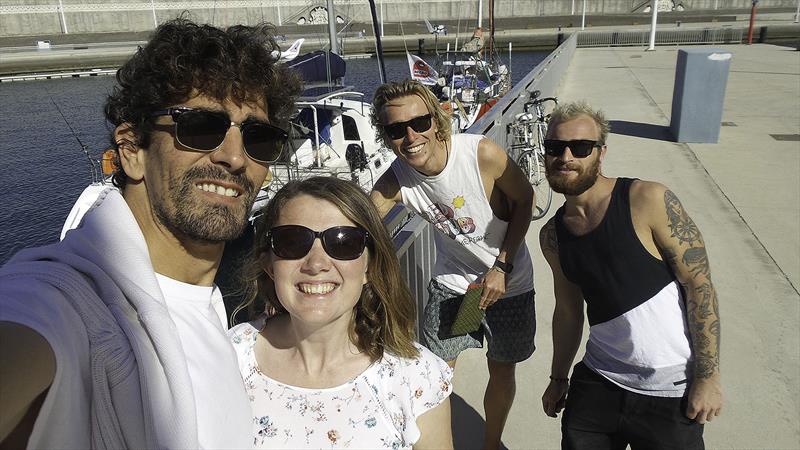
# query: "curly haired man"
[115,336]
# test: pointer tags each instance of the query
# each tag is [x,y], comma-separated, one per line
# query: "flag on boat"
[421,71]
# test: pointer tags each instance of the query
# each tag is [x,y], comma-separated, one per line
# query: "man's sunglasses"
[419,124]
[580,148]
[295,241]
[205,131]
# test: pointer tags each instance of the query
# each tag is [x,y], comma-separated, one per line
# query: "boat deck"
[743,193]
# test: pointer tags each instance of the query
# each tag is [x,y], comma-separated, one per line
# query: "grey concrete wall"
[39,17]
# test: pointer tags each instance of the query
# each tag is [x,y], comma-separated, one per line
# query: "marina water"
[45,168]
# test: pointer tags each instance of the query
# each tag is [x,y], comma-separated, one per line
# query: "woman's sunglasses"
[295,241]
[205,131]
[580,148]
[419,124]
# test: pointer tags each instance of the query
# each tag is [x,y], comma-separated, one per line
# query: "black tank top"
[611,266]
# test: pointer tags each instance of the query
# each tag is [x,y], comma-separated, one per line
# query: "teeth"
[323,288]
[219,190]
[414,149]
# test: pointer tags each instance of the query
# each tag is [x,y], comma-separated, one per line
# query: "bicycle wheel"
[532,164]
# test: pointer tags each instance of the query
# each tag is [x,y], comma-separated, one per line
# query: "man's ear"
[603,150]
[131,156]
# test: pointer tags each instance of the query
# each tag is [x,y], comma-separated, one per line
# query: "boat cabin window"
[350,128]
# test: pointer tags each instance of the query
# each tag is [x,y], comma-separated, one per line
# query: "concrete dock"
[744,195]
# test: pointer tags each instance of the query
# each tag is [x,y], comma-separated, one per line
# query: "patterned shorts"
[509,327]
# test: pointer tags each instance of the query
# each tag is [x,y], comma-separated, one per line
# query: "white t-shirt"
[376,409]
[212,363]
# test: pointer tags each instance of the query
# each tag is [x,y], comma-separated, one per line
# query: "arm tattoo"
[696,259]
[679,222]
[548,239]
[702,307]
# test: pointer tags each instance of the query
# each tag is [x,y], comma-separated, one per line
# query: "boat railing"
[412,234]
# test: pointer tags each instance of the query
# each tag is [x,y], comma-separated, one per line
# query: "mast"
[377,30]
[491,30]
[332,28]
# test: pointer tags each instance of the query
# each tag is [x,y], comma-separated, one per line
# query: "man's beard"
[198,221]
[579,185]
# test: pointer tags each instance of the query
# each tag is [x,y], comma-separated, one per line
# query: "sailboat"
[469,80]
[331,135]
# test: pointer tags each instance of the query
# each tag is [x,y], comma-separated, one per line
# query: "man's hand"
[705,399]
[555,397]
[494,286]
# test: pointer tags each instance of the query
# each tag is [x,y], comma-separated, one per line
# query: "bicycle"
[528,132]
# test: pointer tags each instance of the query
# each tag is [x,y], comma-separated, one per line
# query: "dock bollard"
[701,75]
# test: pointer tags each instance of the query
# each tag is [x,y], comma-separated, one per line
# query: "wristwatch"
[503,266]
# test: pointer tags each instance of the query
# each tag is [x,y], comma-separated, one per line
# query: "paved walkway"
[744,194]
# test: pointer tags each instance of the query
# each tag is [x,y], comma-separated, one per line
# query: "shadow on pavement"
[642,130]
[467,424]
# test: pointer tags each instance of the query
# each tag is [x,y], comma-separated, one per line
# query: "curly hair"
[569,111]
[183,58]
[384,316]
[396,89]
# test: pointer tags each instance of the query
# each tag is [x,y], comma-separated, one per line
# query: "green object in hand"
[469,315]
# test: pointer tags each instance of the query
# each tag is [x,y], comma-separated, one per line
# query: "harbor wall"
[46,17]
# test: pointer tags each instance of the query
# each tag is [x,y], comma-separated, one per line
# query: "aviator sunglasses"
[580,148]
[295,241]
[419,124]
[205,131]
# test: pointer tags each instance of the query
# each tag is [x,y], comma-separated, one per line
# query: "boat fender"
[486,107]
[108,162]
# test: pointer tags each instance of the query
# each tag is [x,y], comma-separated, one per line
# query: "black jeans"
[601,415]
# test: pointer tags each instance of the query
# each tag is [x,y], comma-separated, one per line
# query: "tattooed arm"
[567,324]
[680,243]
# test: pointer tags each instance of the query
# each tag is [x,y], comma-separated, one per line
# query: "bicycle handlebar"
[539,101]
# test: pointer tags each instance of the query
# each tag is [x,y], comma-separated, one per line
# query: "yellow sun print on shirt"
[458,202]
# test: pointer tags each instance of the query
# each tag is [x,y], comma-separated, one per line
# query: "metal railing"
[413,236]
[634,38]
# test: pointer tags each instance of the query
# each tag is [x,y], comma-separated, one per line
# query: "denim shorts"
[509,326]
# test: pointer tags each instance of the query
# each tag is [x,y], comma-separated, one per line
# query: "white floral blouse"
[377,409]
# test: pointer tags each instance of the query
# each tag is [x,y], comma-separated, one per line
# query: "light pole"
[583,16]
[752,21]
[63,18]
[153,8]
[652,45]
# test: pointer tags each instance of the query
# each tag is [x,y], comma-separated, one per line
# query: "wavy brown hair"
[396,89]
[183,58]
[385,313]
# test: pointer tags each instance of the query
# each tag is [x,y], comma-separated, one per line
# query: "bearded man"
[627,248]
[115,336]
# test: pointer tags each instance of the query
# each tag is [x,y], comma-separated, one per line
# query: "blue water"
[45,168]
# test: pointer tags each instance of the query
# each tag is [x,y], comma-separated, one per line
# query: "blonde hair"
[569,111]
[396,89]
[384,316]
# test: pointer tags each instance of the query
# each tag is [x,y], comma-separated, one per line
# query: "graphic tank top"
[468,235]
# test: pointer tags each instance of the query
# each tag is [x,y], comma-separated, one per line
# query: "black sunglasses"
[419,124]
[205,131]
[295,241]
[580,148]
